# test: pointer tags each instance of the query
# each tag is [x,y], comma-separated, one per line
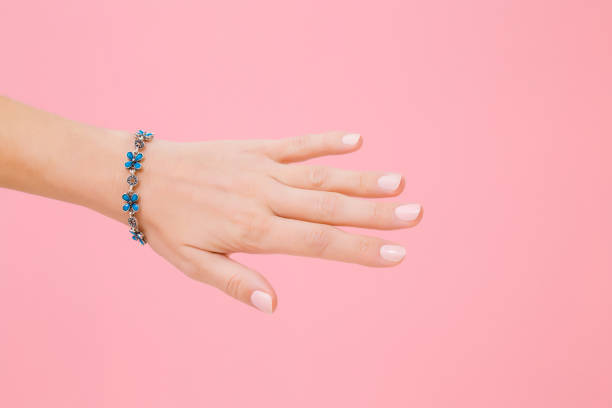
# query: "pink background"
[498,114]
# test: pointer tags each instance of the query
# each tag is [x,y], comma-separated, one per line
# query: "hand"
[201,202]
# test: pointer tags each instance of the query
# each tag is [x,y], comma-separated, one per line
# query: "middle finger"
[353,183]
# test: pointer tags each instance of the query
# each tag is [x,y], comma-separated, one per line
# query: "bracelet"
[130,198]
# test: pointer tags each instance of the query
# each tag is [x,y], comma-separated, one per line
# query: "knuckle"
[364,246]
[233,285]
[251,229]
[362,182]
[300,142]
[318,176]
[376,212]
[327,205]
[318,240]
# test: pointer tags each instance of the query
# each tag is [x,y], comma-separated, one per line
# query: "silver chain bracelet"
[130,198]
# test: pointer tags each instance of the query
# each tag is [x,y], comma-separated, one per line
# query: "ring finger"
[338,209]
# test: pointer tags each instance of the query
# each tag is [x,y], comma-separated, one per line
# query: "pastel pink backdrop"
[497,113]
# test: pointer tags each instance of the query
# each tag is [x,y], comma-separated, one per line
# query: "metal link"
[140,138]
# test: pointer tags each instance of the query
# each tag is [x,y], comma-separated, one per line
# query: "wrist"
[105,171]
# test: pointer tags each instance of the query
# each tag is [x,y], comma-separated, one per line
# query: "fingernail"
[390,182]
[408,212]
[351,139]
[262,301]
[393,253]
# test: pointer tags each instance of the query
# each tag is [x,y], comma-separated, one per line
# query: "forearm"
[45,154]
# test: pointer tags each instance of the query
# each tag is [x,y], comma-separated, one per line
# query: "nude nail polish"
[351,139]
[408,212]
[262,301]
[392,253]
[390,182]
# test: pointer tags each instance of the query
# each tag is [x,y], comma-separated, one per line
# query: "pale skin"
[201,202]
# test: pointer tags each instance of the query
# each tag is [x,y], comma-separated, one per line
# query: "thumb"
[231,277]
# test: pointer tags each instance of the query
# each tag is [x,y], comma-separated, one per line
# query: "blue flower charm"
[134,160]
[144,134]
[131,206]
[130,202]
[138,236]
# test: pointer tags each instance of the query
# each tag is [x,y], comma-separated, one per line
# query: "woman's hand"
[201,202]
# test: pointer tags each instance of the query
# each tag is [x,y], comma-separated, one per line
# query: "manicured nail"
[393,253]
[351,139]
[390,182]
[262,301]
[408,212]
